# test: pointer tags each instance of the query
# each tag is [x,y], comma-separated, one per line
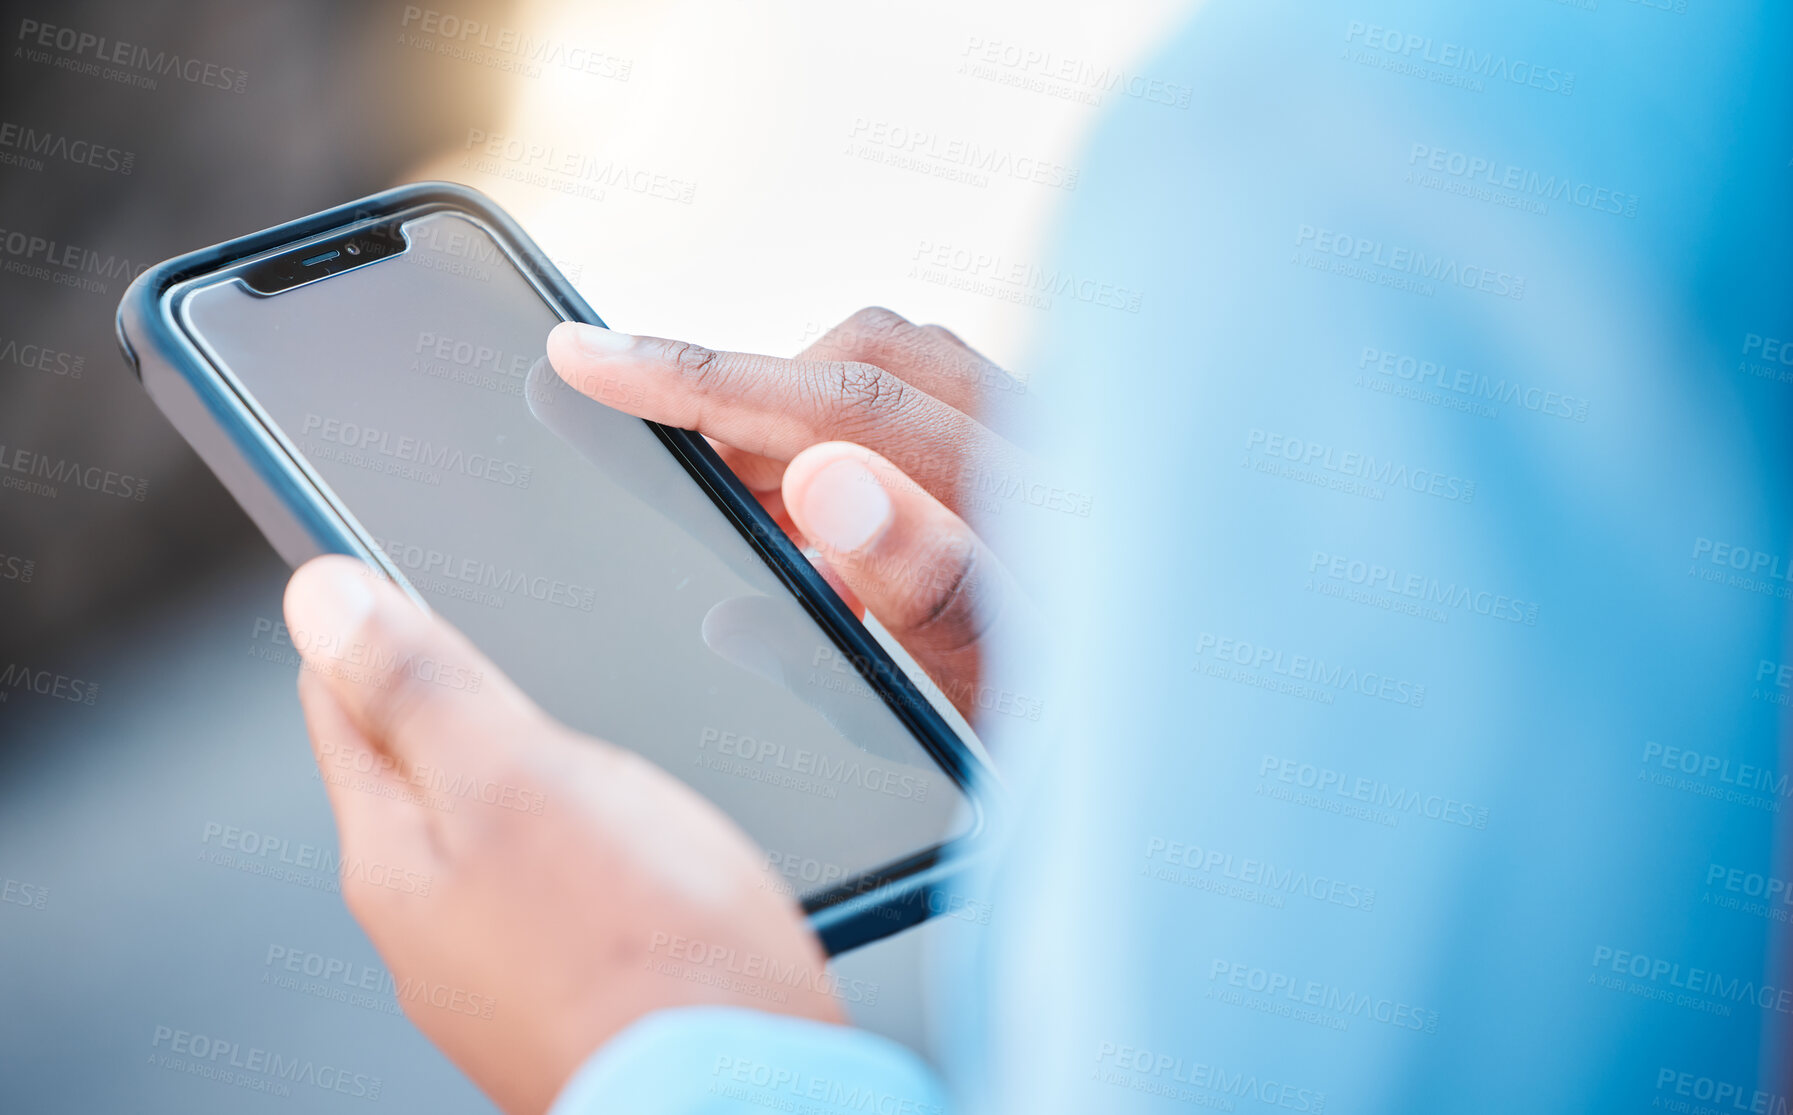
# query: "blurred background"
[742,175]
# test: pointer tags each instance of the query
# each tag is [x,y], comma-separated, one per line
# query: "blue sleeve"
[710,1060]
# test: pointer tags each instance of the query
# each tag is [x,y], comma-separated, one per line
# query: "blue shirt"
[1416,730]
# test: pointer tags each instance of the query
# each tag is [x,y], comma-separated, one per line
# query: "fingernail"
[844,506]
[327,602]
[595,340]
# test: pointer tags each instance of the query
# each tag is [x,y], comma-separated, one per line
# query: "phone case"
[261,477]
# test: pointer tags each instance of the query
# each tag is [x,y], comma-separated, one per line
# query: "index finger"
[776,407]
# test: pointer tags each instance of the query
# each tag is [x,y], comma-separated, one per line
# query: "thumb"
[916,565]
[413,685]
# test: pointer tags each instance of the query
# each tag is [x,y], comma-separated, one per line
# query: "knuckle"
[876,325]
[874,333]
[949,602]
[395,693]
[942,333]
[396,702]
[694,362]
[866,389]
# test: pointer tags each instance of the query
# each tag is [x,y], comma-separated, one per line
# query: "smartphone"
[372,380]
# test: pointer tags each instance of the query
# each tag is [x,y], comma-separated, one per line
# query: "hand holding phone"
[578,889]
